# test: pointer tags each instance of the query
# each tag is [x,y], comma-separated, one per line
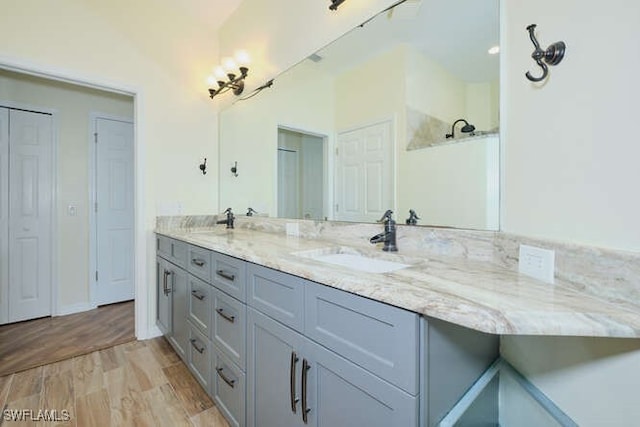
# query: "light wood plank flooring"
[140,383]
[25,345]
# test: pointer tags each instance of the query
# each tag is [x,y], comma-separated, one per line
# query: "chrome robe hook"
[552,56]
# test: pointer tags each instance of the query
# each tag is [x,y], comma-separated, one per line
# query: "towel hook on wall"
[203,166]
[552,56]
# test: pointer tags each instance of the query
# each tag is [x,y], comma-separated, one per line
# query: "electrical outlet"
[537,263]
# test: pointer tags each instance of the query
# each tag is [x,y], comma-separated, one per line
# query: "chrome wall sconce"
[226,78]
[552,56]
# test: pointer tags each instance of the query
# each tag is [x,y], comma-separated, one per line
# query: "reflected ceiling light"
[225,77]
[494,50]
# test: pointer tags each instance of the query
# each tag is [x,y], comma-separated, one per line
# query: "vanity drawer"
[381,338]
[199,356]
[229,327]
[200,296]
[199,262]
[172,250]
[229,275]
[276,294]
[228,385]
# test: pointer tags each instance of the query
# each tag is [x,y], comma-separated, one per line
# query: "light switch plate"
[537,263]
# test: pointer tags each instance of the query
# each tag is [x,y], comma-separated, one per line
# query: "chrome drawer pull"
[225,316]
[226,275]
[197,261]
[198,349]
[197,294]
[292,381]
[305,409]
[231,383]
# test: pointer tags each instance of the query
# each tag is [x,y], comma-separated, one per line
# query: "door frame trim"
[53,247]
[144,248]
[93,261]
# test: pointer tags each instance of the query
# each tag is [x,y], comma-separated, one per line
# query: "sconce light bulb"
[219,74]
[212,81]
[242,58]
[229,65]
[494,50]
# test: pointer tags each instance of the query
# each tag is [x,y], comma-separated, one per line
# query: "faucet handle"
[251,211]
[386,216]
[413,217]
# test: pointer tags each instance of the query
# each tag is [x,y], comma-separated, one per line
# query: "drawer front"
[229,275]
[200,297]
[172,250]
[199,357]
[276,294]
[380,338]
[228,385]
[230,327]
[199,262]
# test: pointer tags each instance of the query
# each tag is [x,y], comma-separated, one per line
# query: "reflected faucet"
[413,218]
[388,237]
[467,128]
[228,220]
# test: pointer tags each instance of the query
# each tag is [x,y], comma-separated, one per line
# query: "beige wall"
[73,106]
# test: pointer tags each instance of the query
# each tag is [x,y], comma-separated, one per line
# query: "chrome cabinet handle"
[305,409]
[230,383]
[227,317]
[195,345]
[197,294]
[197,261]
[292,381]
[226,275]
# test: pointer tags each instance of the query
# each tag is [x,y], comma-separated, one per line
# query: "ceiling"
[211,13]
[455,33]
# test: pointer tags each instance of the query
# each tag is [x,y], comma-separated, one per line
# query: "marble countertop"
[478,295]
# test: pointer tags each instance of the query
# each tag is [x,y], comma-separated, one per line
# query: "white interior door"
[4,215]
[288,184]
[364,186]
[30,208]
[114,211]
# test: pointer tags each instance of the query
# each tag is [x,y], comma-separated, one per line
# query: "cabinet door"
[338,393]
[179,328]
[163,304]
[273,368]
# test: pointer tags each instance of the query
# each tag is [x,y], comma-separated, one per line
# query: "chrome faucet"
[388,237]
[228,220]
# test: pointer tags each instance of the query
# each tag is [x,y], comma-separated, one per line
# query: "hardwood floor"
[140,383]
[25,345]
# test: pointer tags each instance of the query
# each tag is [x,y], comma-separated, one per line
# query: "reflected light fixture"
[494,50]
[226,78]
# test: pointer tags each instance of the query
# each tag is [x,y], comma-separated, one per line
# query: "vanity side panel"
[455,358]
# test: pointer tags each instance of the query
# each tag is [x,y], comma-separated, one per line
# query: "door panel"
[114,217]
[364,187]
[4,215]
[30,193]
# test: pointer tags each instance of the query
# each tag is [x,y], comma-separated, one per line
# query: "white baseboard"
[75,308]
[152,332]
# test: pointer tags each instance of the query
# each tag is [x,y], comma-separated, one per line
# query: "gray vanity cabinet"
[172,284]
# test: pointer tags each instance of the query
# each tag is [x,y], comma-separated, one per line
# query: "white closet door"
[364,187]
[4,215]
[114,218]
[30,207]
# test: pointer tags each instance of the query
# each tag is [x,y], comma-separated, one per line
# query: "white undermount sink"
[349,258]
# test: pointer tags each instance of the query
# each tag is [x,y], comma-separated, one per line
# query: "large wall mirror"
[401,113]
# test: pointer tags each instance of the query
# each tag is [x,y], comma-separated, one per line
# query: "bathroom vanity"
[278,336]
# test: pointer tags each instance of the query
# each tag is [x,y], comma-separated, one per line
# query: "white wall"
[73,105]
[571,174]
[164,57]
